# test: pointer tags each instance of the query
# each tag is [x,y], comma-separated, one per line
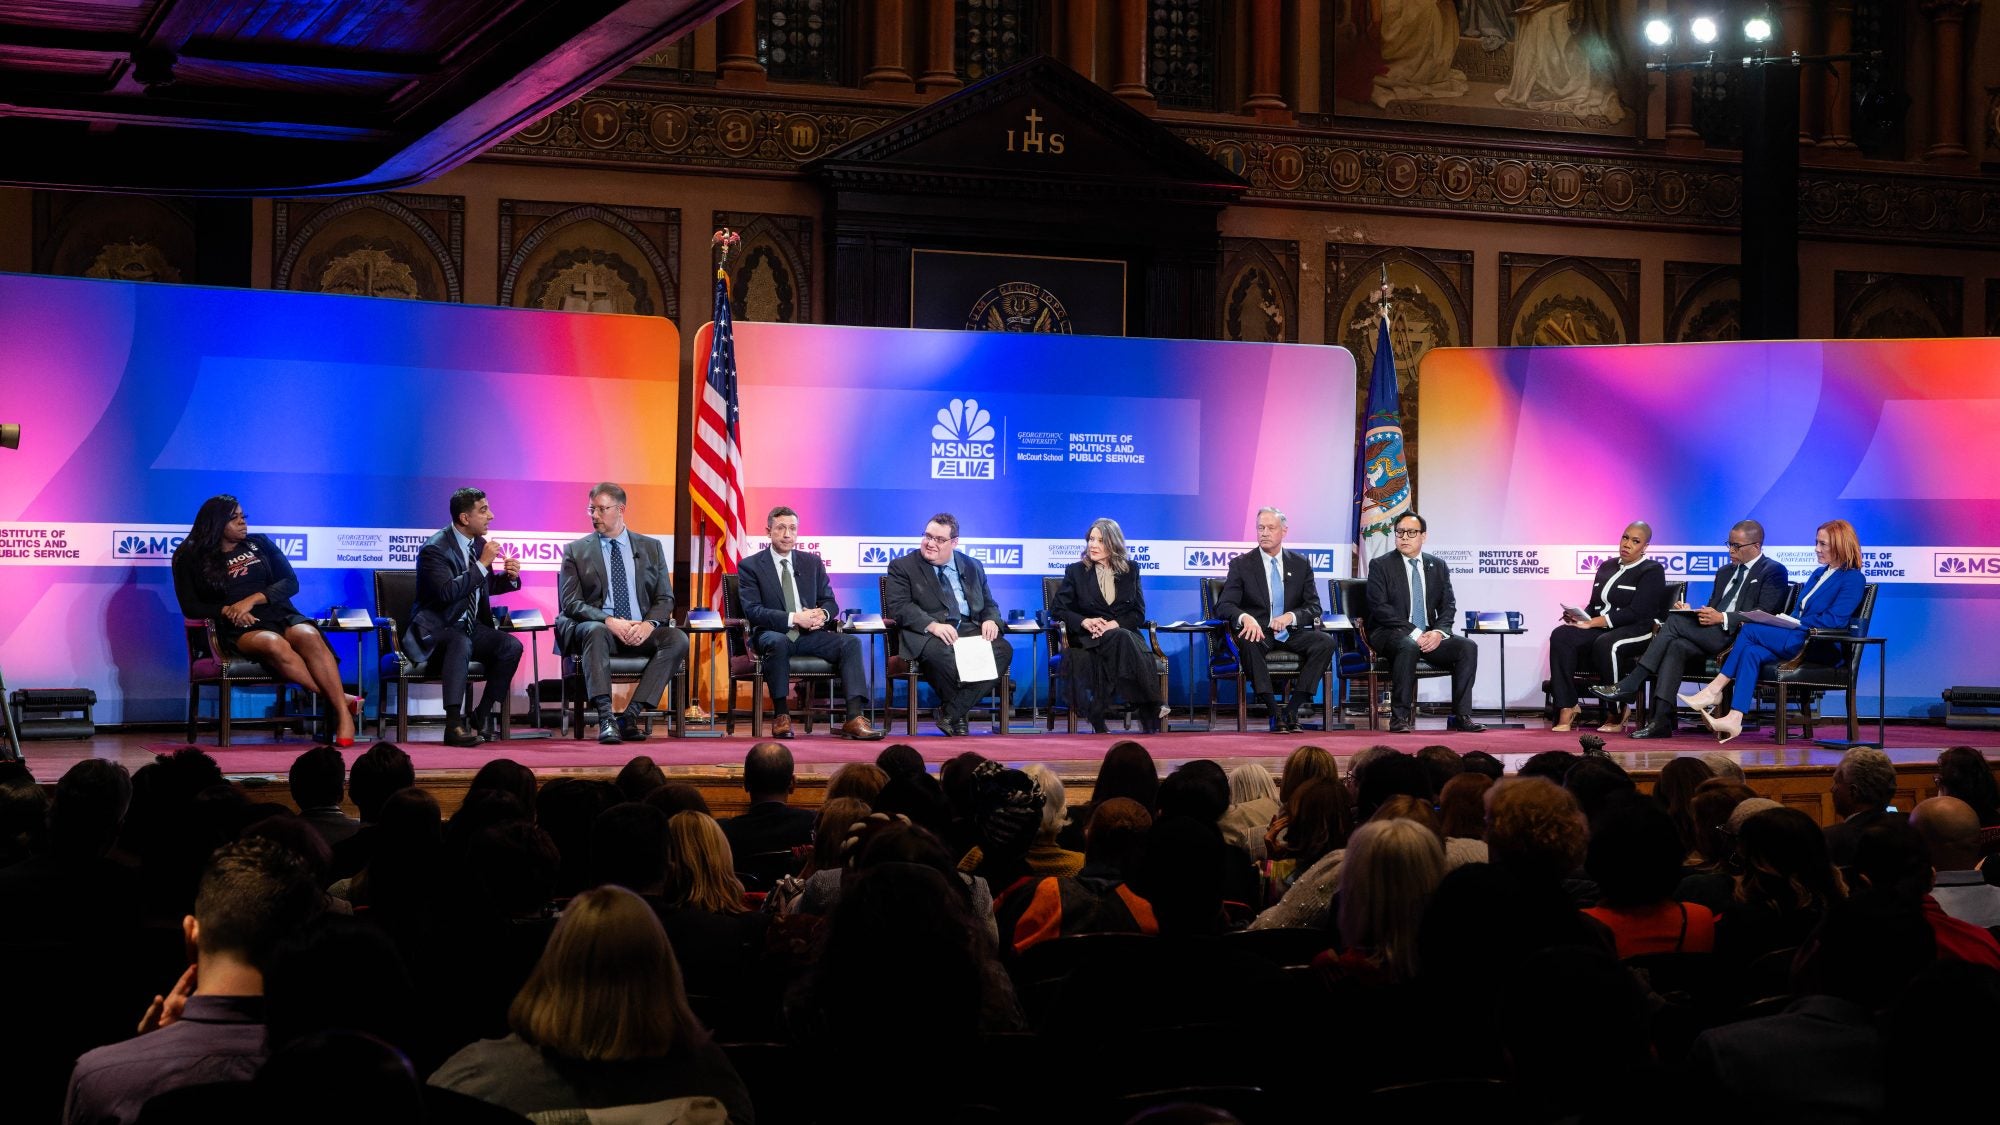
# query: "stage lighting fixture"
[1659,32]
[1703,29]
[1757,29]
[10,435]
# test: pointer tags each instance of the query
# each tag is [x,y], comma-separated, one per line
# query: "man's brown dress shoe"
[781,726]
[860,729]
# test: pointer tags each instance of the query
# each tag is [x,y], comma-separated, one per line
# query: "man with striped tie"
[617,597]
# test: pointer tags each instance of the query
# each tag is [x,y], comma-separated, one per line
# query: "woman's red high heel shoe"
[354,705]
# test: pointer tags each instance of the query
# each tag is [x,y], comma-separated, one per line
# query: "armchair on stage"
[395,604]
[212,663]
[900,667]
[1224,664]
[1352,658]
[1623,655]
[1056,636]
[1831,661]
[747,663]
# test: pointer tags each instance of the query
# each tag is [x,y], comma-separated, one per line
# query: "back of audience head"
[955,776]
[1320,819]
[24,812]
[1359,761]
[404,866]
[1890,858]
[1598,784]
[1480,762]
[1674,792]
[859,780]
[899,758]
[505,775]
[90,806]
[902,966]
[1116,834]
[1553,765]
[316,778]
[1390,775]
[566,808]
[701,871]
[607,987]
[1182,874]
[381,769]
[296,834]
[1405,807]
[767,772]
[1864,781]
[677,797]
[334,1077]
[1534,829]
[1301,766]
[628,848]
[253,894]
[920,798]
[510,870]
[1950,830]
[1724,766]
[830,832]
[1055,803]
[1785,864]
[1634,855]
[1441,763]
[1462,806]
[640,776]
[1127,771]
[1251,782]
[479,811]
[1391,868]
[1865,950]
[339,973]
[1198,790]
[1964,773]
[1708,813]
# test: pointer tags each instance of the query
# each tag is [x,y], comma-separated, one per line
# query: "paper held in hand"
[975,659]
[1575,611]
[1781,620]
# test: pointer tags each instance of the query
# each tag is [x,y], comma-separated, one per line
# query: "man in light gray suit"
[617,598]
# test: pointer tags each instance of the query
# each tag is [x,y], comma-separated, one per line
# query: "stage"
[1798,773]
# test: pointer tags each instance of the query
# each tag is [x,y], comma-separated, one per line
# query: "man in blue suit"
[458,571]
[789,604]
[1750,581]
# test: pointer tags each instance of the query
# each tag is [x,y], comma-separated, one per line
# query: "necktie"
[1277,595]
[791,594]
[952,596]
[621,592]
[478,588]
[1418,607]
[1735,588]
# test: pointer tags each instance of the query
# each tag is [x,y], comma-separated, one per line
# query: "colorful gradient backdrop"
[1554,450]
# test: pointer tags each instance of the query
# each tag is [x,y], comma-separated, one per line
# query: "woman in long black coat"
[1103,609]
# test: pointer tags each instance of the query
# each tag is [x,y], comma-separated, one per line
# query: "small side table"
[701,625]
[361,633]
[533,645]
[1194,631]
[872,626]
[1500,722]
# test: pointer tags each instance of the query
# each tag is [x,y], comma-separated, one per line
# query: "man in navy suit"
[616,594]
[1750,581]
[457,571]
[1271,601]
[937,594]
[789,603]
[1410,611]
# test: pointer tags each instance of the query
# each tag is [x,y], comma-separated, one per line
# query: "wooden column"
[940,47]
[1131,84]
[886,68]
[1266,34]
[1079,48]
[1795,33]
[1682,136]
[736,34]
[1947,77]
[1838,97]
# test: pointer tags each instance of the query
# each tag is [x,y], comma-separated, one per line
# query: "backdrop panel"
[343,424]
[1028,438]
[1536,458]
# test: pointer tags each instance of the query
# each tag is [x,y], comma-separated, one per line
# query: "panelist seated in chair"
[1271,602]
[791,609]
[1828,600]
[1627,599]
[1751,580]
[616,598]
[1103,610]
[1410,610]
[937,594]
[244,584]
[458,571]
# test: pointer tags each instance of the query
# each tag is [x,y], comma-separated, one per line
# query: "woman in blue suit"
[1829,601]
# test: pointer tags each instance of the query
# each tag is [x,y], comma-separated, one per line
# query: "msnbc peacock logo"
[962,442]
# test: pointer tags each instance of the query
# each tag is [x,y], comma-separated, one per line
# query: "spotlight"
[10,435]
[1757,29]
[1703,29]
[1659,32]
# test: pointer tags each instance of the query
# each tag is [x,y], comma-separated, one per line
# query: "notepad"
[526,619]
[975,660]
[354,617]
[1335,622]
[1576,611]
[1781,620]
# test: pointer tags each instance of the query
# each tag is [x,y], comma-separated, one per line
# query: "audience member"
[1706,874]
[1890,859]
[677,797]
[1950,831]
[1784,885]
[899,758]
[1303,765]
[1126,771]
[1725,766]
[602,1024]
[565,808]
[380,770]
[1557,1074]
[1097,898]
[1965,773]
[766,837]
[1550,765]
[24,814]
[1863,785]
[1479,761]
[1390,775]
[1946,1022]
[1253,805]
[1045,856]
[1441,764]
[507,776]
[1462,806]
[1634,857]
[640,776]
[859,780]
[717,938]
[1391,868]
[1599,785]
[315,782]
[1674,792]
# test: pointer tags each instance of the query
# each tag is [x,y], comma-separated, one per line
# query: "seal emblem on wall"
[1017,306]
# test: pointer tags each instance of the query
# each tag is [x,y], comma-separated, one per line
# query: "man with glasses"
[1410,611]
[616,594]
[1271,601]
[790,606]
[937,594]
[1750,581]
[459,572]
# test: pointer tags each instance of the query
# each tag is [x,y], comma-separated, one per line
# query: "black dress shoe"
[632,728]
[1098,725]
[1402,726]
[961,727]
[460,735]
[947,725]
[607,732]
[1613,695]
[1654,730]
[1464,724]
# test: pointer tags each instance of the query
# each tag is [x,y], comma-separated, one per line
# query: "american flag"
[715,470]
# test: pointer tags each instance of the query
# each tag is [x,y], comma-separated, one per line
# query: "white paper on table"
[975,659]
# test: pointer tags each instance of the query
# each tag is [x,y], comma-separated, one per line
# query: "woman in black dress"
[1102,608]
[243,582]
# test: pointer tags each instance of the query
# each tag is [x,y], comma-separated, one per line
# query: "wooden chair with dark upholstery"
[1829,662]
[1056,637]
[900,667]
[747,664]
[395,604]
[1353,660]
[1226,665]
[214,664]
[1624,656]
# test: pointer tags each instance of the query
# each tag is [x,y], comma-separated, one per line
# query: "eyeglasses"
[938,540]
[596,508]
[1734,546]
[1408,532]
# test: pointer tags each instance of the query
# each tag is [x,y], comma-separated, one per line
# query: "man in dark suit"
[1863,785]
[790,606]
[764,837]
[1750,581]
[1271,601]
[1410,611]
[938,594]
[617,597]
[458,570]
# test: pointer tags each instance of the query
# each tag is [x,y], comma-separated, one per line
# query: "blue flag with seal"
[1381,476]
